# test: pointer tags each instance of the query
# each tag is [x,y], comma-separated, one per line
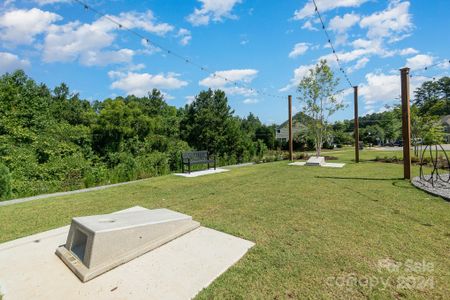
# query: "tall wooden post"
[406,123]
[356,133]
[291,142]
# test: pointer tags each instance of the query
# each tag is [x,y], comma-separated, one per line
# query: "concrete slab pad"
[202,173]
[29,268]
[325,165]
[298,163]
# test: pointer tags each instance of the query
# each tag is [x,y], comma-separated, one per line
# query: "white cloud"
[19,27]
[139,84]
[361,63]
[73,40]
[393,23]
[103,58]
[212,10]
[299,73]
[145,21]
[408,51]
[363,49]
[299,49]
[135,67]
[342,24]
[323,6]
[225,80]
[444,64]
[10,62]
[86,42]
[185,36]
[308,25]
[150,49]
[419,61]
[250,101]
[346,57]
[382,89]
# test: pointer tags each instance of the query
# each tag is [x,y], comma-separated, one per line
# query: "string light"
[331,45]
[174,54]
[427,68]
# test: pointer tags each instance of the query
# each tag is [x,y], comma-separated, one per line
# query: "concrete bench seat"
[96,244]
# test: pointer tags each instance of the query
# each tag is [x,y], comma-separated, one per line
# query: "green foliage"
[433,97]
[5,182]
[372,134]
[433,132]
[208,124]
[51,140]
[317,94]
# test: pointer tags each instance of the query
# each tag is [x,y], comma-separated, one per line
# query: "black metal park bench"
[196,158]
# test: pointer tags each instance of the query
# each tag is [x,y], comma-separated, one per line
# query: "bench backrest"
[195,156]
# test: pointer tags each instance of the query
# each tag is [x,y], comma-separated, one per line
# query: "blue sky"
[266,45]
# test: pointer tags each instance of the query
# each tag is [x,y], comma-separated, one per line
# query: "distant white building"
[282,134]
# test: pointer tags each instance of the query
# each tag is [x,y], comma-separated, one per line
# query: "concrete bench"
[96,244]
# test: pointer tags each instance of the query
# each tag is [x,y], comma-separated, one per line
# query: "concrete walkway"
[44,196]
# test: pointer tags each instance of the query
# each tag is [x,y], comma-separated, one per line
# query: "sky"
[267,46]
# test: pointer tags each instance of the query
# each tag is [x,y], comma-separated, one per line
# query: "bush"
[126,170]
[328,146]
[5,182]
[153,164]
[301,155]
[96,175]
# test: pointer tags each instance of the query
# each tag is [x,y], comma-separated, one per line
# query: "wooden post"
[406,123]
[356,132]
[291,142]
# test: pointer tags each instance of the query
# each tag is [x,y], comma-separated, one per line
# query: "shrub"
[328,145]
[96,175]
[174,154]
[126,170]
[302,155]
[5,182]
[153,164]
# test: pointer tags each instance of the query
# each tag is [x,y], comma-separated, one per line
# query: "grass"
[310,225]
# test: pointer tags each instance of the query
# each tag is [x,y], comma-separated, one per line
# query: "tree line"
[52,140]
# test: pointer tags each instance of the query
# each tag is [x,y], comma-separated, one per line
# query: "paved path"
[44,196]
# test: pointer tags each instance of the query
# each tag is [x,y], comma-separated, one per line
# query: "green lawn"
[310,225]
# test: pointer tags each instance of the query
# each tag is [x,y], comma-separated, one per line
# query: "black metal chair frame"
[196,158]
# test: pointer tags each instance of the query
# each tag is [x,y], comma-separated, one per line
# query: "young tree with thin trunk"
[317,91]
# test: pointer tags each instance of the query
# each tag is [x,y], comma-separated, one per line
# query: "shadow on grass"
[404,184]
[358,178]
[397,182]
